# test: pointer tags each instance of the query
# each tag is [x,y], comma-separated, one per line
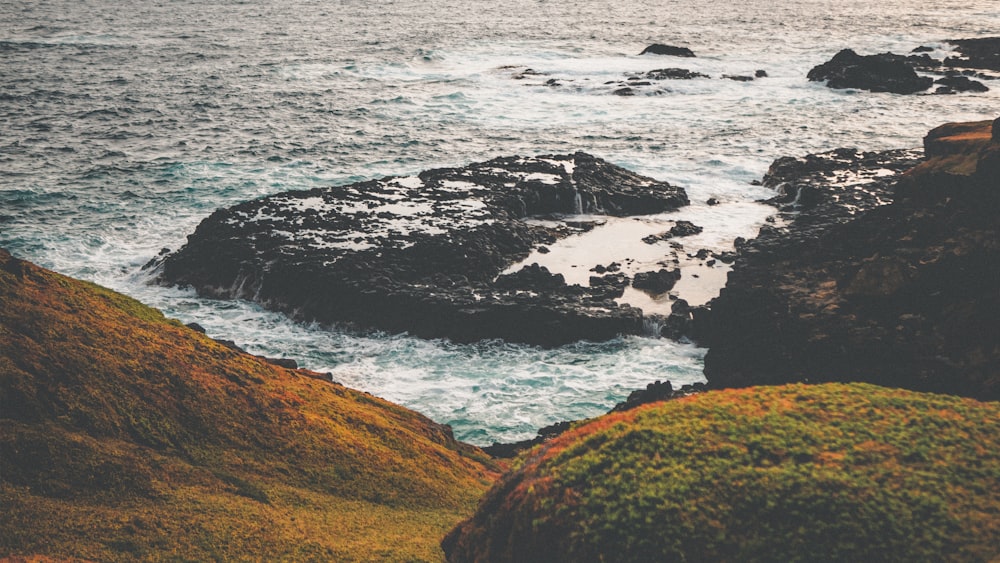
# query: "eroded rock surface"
[424,254]
[889,277]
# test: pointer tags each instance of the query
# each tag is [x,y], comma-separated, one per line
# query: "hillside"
[126,436]
[833,472]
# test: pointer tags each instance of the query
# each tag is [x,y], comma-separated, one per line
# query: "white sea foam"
[117,142]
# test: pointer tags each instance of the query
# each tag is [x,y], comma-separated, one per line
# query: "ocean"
[124,125]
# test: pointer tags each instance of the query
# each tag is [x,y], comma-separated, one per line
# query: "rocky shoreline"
[885,277]
[425,254]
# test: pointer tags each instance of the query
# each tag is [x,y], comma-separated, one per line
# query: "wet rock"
[656,282]
[624,92]
[981,53]
[680,229]
[610,286]
[424,254]
[962,84]
[660,49]
[895,286]
[674,74]
[878,73]
[738,78]
[760,73]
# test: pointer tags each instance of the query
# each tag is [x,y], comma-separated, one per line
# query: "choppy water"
[123,125]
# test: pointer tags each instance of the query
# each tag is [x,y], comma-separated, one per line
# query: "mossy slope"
[835,472]
[125,435]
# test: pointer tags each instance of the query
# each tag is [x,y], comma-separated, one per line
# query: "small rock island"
[425,254]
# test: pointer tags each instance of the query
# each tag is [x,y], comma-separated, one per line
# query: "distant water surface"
[125,124]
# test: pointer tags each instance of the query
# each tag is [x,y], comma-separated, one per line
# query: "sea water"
[123,125]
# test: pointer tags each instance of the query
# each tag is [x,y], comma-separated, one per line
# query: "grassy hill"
[834,472]
[125,435]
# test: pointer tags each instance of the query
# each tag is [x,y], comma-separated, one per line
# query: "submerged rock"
[674,74]
[424,254]
[891,280]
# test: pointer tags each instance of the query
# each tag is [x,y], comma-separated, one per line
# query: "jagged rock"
[981,53]
[659,49]
[424,254]
[895,287]
[878,73]
[656,283]
[610,286]
[962,84]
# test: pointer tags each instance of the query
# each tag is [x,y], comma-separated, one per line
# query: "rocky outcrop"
[980,53]
[424,254]
[889,72]
[660,49]
[889,278]
[877,73]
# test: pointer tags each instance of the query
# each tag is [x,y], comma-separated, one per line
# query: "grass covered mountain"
[126,436]
[832,472]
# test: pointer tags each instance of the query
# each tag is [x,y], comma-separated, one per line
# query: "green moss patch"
[837,472]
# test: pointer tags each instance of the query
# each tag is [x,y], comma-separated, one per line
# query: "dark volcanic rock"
[878,73]
[424,254]
[962,84]
[680,229]
[982,53]
[674,74]
[656,283]
[658,49]
[899,294]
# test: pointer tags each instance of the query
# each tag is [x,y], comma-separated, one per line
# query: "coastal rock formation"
[889,72]
[127,436]
[424,254]
[660,49]
[893,281]
[980,53]
[877,73]
[835,472]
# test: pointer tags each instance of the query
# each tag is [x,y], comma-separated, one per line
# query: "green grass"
[126,436]
[837,472]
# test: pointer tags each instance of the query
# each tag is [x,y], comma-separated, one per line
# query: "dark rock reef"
[894,281]
[877,73]
[424,254]
[889,72]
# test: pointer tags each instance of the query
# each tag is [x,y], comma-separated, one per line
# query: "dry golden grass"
[126,436]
